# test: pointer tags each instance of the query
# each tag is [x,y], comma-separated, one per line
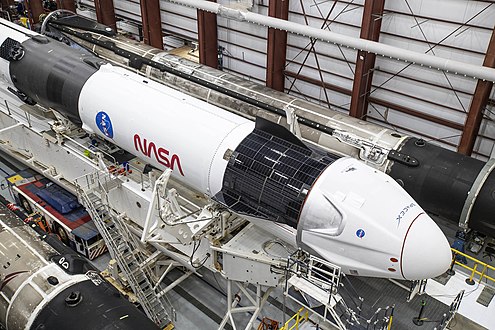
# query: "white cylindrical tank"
[182,133]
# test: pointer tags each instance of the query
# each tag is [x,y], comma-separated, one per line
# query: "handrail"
[474,270]
[131,276]
[297,318]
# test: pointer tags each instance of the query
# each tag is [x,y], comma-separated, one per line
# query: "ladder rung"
[149,294]
[126,253]
[120,240]
[113,232]
[140,278]
[157,304]
[145,287]
[137,272]
[121,248]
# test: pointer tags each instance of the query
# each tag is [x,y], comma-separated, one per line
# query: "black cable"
[20,31]
[195,249]
[136,62]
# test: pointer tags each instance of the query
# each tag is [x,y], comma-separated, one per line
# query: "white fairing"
[362,220]
[185,134]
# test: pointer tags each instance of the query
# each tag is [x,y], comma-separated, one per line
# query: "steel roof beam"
[35,9]
[67,5]
[105,13]
[456,67]
[365,62]
[276,46]
[208,38]
[480,99]
[152,23]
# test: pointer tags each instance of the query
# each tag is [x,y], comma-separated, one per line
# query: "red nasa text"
[150,150]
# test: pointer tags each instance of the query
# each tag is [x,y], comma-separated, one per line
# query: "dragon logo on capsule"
[104,124]
[403,212]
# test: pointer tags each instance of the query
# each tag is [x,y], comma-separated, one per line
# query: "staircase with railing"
[123,246]
[317,285]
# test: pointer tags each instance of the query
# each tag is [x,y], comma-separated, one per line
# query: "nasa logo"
[104,124]
[149,149]
[360,233]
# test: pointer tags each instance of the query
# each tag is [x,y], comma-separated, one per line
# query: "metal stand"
[419,319]
[257,304]
[451,271]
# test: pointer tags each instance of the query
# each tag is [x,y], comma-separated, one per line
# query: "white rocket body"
[146,120]
[350,214]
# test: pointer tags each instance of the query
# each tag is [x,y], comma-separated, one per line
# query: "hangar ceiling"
[455,111]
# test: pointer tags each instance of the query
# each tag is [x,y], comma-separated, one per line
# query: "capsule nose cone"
[426,252]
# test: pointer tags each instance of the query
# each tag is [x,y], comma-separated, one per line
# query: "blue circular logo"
[360,233]
[104,124]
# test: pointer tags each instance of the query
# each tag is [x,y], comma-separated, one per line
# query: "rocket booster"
[445,183]
[338,208]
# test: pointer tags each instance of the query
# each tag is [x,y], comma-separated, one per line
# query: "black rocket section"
[49,73]
[92,304]
[441,183]
[270,173]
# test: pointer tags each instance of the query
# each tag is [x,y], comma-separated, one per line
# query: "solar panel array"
[269,177]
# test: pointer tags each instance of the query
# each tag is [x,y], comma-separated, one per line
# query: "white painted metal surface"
[396,237]
[363,201]
[150,125]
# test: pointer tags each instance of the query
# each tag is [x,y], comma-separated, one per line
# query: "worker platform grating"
[486,296]
[378,293]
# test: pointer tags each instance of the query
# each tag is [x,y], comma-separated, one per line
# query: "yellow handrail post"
[470,280]
[483,273]
[451,270]
[389,326]
[296,318]
[474,271]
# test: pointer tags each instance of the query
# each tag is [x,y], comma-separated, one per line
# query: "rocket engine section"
[43,289]
[338,208]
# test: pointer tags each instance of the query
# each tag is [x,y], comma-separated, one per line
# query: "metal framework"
[325,25]
[187,231]
[67,5]
[35,9]
[6,3]
[479,101]
[393,52]
[152,23]
[233,299]
[362,99]
[208,38]
[105,13]
[365,62]
[276,47]
[377,98]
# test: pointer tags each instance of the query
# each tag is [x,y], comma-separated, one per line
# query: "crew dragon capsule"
[335,207]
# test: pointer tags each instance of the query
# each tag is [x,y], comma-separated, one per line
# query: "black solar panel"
[269,177]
